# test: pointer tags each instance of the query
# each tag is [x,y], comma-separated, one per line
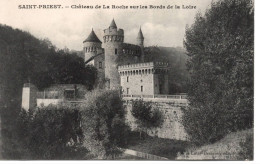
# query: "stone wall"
[135,82]
[99,63]
[29,96]
[171,127]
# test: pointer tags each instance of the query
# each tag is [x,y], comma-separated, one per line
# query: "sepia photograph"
[128,80]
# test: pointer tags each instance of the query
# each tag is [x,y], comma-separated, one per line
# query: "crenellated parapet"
[113,35]
[143,68]
[113,38]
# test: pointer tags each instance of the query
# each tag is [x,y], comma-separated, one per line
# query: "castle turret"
[113,40]
[140,38]
[92,46]
[140,42]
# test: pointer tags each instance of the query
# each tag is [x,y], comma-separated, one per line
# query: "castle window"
[100,65]
[69,94]
[141,88]
[116,51]
[127,91]
[127,79]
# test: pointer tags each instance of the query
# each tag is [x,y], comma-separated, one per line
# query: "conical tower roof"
[92,38]
[113,24]
[140,34]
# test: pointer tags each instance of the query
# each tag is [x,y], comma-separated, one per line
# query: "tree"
[220,48]
[24,58]
[50,133]
[103,123]
[146,116]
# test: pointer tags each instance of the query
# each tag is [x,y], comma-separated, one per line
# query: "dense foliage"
[146,115]
[176,58]
[220,46]
[103,123]
[24,58]
[50,133]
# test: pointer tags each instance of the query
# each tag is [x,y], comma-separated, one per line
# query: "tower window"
[116,51]
[127,79]
[141,88]
[100,65]
[127,91]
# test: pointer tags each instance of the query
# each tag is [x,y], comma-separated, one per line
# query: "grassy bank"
[228,148]
[157,146]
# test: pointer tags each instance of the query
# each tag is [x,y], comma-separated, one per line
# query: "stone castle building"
[132,75]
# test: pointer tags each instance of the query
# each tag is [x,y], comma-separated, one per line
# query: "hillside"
[25,58]
[176,57]
[228,148]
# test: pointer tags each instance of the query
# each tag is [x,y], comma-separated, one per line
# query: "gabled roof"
[92,38]
[113,24]
[140,34]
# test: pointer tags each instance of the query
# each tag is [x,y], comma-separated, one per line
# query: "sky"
[69,27]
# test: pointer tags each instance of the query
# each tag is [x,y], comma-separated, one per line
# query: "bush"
[51,133]
[103,123]
[204,126]
[146,115]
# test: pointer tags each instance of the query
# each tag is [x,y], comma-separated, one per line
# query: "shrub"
[204,126]
[146,115]
[51,133]
[103,123]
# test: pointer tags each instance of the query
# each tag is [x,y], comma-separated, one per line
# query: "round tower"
[113,39]
[91,46]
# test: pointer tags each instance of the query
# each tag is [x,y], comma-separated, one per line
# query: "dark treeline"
[24,58]
[176,58]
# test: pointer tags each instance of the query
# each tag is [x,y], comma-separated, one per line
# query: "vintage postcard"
[127,80]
